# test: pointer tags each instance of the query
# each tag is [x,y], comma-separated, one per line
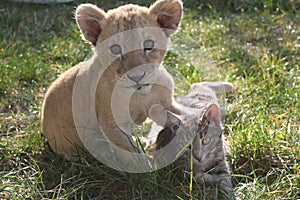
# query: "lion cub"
[118,85]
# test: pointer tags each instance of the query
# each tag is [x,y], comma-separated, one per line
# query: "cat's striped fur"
[204,122]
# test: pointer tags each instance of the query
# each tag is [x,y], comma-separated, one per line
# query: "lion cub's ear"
[90,19]
[168,14]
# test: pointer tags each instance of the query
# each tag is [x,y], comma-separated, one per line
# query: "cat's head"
[205,131]
[209,136]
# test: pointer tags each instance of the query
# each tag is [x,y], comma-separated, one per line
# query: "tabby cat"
[204,122]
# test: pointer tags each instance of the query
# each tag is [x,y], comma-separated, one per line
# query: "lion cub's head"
[131,40]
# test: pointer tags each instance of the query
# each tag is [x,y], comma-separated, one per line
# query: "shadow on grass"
[87,178]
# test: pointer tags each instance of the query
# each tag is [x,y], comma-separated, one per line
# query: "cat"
[207,147]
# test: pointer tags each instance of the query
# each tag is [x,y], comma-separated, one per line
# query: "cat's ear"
[164,118]
[167,14]
[212,113]
[173,122]
[90,20]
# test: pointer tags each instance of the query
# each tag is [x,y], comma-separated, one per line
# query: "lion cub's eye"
[206,140]
[116,49]
[149,45]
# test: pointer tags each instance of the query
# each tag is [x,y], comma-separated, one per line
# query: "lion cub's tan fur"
[96,27]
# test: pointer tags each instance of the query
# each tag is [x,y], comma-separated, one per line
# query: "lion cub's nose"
[136,78]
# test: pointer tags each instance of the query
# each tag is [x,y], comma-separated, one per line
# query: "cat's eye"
[149,45]
[116,49]
[205,140]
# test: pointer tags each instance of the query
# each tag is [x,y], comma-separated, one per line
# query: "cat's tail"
[222,87]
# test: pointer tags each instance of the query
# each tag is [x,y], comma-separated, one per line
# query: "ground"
[253,44]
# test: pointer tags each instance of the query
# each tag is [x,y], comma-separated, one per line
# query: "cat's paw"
[222,179]
[204,178]
[226,185]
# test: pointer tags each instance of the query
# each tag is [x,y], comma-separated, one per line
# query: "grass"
[255,47]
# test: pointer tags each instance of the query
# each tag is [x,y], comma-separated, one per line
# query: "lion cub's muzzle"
[138,79]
